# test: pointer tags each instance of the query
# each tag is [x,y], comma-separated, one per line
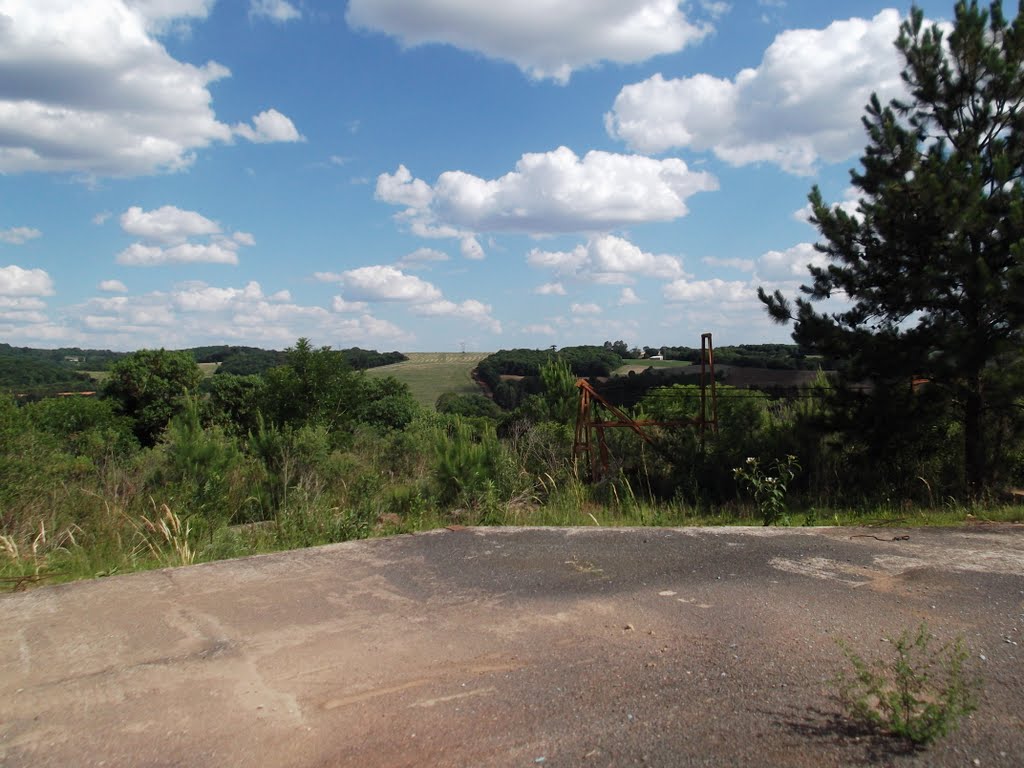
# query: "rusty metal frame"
[590,431]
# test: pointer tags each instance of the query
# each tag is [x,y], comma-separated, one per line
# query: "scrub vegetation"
[168,467]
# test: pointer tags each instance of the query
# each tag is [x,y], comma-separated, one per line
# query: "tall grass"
[84,505]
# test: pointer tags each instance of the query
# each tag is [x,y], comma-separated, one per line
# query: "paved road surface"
[510,647]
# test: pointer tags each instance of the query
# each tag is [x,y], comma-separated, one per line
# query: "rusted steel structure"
[590,443]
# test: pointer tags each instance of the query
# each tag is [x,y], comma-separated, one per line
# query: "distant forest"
[787,357]
[46,371]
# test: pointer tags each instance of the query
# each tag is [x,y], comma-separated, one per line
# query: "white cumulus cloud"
[801,105]
[168,236]
[338,304]
[550,289]
[167,224]
[548,192]
[628,297]
[400,188]
[710,290]
[112,286]
[585,309]
[269,126]
[207,298]
[608,260]
[15,281]
[196,312]
[790,264]
[545,39]
[385,283]
[89,88]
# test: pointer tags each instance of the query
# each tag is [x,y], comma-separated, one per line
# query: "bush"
[149,386]
[920,695]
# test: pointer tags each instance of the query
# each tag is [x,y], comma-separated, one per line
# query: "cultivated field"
[642,365]
[431,374]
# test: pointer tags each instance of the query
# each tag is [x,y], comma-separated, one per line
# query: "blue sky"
[422,174]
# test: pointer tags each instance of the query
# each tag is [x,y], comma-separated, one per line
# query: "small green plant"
[919,695]
[769,490]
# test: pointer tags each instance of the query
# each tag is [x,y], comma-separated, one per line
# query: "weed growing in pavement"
[769,490]
[920,695]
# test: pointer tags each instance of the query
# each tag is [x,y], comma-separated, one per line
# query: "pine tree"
[932,262]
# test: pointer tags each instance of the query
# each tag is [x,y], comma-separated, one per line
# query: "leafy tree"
[149,387]
[385,403]
[83,425]
[236,400]
[620,348]
[931,262]
[315,386]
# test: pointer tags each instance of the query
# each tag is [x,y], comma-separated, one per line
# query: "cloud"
[801,105]
[550,289]
[400,188]
[159,14]
[470,248]
[629,297]
[585,309]
[101,218]
[15,281]
[21,303]
[384,283]
[476,312]
[545,40]
[275,10]
[168,235]
[269,126]
[743,265]
[715,8]
[539,329]
[607,260]
[389,284]
[19,235]
[547,192]
[206,298]
[112,286]
[139,255]
[166,224]
[196,312]
[420,258]
[791,263]
[338,304]
[709,290]
[88,88]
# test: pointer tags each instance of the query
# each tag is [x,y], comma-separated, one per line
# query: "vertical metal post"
[714,391]
[707,365]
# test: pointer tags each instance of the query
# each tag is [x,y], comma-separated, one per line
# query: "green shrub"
[920,694]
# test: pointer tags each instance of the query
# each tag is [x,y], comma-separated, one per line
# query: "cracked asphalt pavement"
[513,647]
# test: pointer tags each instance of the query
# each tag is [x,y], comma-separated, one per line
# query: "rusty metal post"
[714,385]
[707,365]
[582,444]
